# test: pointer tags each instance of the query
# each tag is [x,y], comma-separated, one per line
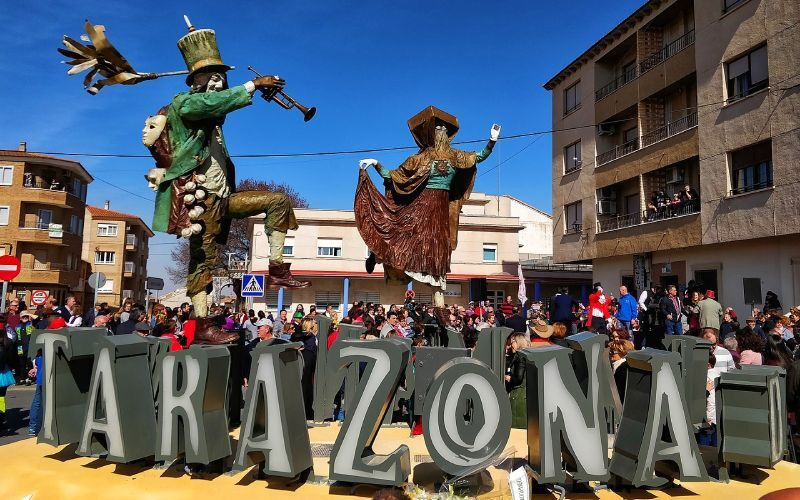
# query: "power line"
[125,190]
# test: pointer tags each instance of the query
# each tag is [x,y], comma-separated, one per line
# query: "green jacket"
[191,119]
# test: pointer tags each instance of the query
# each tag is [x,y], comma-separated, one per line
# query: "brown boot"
[280,276]
[206,332]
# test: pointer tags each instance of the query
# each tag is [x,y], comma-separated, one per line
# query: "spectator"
[771,303]
[307,335]
[628,308]
[617,350]
[75,320]
[724,360]
[24,331]
[507,307]
[66,309]
[729,325]
[125,312]
[559,334]
[250,326]
[135,315]
[540,333]
[35,411]
[751,347]
[562,307]
[515,321]
[516,381]
[732,345]
[598,309]
[669,307]
[102,319]
[710,312]
[7,347]
[691,310]
[756,328]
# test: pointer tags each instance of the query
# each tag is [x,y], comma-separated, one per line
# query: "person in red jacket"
[598,309]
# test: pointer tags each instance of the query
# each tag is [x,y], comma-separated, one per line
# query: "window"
[747,74]
[374,297]
[44,218]
[751,168]
[288,247]
[572,157]
[630,135]
[628,72]
[107,230]
[6,175]
[73,224]
[573,218]
[271,300]
[325,299]
[572,98]
[490,252]
[729,4]
[4,215]
[329,247]
[104,257]
[108,287]
[494,298]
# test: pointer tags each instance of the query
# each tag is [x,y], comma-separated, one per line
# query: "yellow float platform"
[45,472]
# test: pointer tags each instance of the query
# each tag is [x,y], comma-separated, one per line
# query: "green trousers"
[216,219]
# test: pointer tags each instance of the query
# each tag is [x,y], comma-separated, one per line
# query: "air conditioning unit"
[607,207]
[607,193]
[606,129]
[674,176]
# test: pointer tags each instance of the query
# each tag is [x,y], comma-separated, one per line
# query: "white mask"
[153,126]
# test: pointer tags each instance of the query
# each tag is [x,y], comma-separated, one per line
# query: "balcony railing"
[130,240]
[130,267]
[574,228]
[670,129]
[621,150]
[618,82]
[652,215]
[668,51]
[49,266]
[646,65]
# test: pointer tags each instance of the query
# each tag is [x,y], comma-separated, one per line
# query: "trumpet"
[284,100]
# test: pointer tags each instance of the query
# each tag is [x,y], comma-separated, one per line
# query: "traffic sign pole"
[94,303]
[5,291]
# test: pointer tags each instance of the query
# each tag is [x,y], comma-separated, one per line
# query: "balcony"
[574,228]
[653,215]
[618,152]
[130,242]
[53,192]
[130,268]
[46,273]
[653,137]
[645,65]
[668,51]
[40,232]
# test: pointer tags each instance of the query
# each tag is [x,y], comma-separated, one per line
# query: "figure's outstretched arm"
[494,134]
[371,162]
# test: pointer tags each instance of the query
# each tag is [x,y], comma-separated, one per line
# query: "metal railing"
[646,65]
[668,51]
[130,267]
[130,240]
[618,82]
[574,228]
[49,266]
[670,129]
[621,150]
[751,187]
[651,215]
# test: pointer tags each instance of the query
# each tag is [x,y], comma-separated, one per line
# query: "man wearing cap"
[264,326]
[195,177]
[710,311]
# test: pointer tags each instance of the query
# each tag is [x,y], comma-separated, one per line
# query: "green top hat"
[200,51]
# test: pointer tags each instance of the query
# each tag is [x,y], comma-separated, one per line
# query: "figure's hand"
[269,82]
[367,162]
[494,133]
[154,176]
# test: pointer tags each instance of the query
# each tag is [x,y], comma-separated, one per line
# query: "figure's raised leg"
[279,218]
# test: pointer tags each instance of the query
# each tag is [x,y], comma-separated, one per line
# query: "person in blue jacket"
[628,308]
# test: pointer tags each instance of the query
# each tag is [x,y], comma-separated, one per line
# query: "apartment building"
[116,244]
[328,250]
[696,97]
[42,203]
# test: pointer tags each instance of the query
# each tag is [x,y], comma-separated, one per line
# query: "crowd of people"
[766,336]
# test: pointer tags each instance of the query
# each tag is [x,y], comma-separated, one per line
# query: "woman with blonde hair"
[516,381]
[307,335]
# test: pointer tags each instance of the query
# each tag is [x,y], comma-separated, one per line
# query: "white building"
[328,251]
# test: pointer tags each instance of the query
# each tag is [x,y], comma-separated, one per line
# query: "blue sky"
[366,66]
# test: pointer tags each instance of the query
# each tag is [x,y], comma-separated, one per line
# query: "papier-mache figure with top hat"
[194,178]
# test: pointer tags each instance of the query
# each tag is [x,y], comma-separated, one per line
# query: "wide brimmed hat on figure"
[199,50]
[423,125]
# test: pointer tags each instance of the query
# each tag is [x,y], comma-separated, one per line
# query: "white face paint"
[153,126]
[103,389]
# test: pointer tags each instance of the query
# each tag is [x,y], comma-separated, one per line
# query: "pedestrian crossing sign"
[252,285]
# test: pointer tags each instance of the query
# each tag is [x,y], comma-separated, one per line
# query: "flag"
[521,294]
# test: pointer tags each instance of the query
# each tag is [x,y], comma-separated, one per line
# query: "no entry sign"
[9,267]
[39,297]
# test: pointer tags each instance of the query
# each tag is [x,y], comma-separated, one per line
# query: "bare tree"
[238,238]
